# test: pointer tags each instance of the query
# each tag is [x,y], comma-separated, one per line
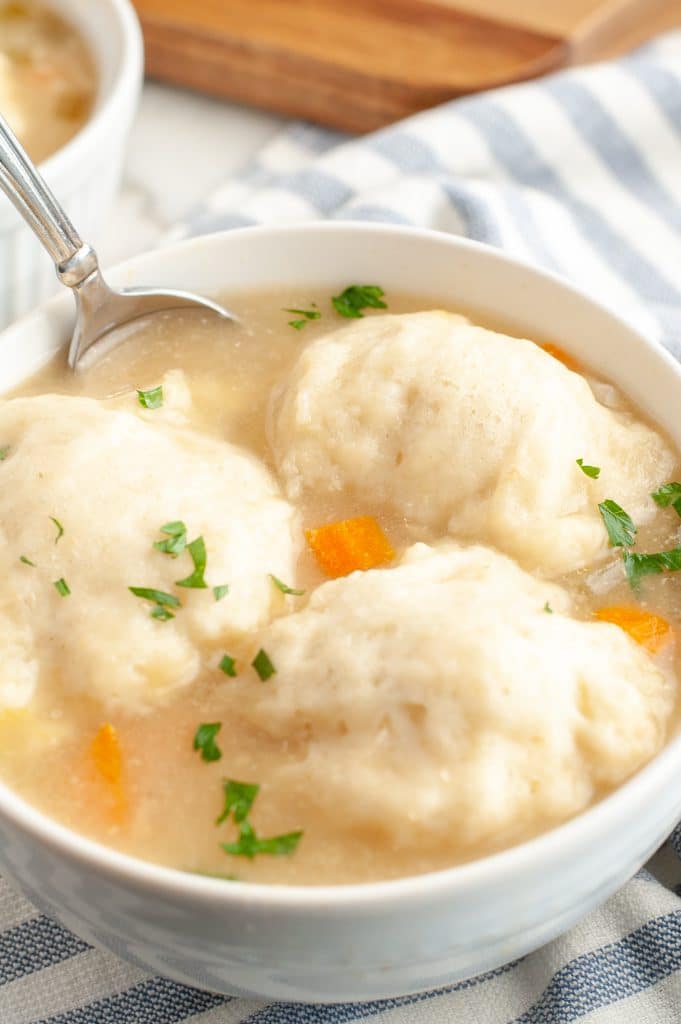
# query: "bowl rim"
[127,75]
[532,855]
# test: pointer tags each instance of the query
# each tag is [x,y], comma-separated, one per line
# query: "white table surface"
[182,145]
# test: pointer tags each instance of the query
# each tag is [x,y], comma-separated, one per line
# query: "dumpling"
[112,476]
[454,695]
[465,431]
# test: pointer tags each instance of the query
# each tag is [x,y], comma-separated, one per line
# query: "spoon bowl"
[100,309]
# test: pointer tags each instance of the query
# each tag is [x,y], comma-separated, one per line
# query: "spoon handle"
[24,186]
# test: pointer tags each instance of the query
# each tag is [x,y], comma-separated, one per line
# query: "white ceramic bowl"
[360,941]
[85,173]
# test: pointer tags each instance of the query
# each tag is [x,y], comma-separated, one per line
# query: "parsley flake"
[285,589]
[204,740]
[176,539]
[548,609]
[618,523]
[62,587]
[593,471]
[239,797]
[162,602]
[197,551]
[227,665]
[151,399]
[263,666]
[637,566]
[306,314]
[297,325]
[249,845]
[27,561]
[221,591]
[668,494]
[60,529]
[4,452]
[357,297]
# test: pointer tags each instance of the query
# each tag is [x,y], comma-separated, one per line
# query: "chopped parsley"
[151,399]
[4,452]
[637,566]
[204,740]
[263,666]
[618,523]
[357,297]
[668,494]
[306,314]
[162,601]
[176,538]
[285,589]
[593,471]
[60,529]
[62,587]
[239,798]
[27,561]
[249,845]
[221,591]
[548,609]
[227,665]
[197,551]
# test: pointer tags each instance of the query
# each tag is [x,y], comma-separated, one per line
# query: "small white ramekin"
[367,941]
[85,173]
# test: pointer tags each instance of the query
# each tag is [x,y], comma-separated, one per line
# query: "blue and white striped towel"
[580,172]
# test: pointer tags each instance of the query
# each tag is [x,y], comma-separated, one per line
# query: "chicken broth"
[47,77]
[138,776]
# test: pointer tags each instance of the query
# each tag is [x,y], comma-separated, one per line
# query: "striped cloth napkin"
[581,173]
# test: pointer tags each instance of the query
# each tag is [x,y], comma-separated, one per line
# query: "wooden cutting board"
[359,64]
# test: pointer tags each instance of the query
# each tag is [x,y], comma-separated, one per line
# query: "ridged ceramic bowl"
[86,172]
[366,941]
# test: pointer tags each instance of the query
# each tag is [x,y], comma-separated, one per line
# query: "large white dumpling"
[112,476]
[463,430]
[441,697]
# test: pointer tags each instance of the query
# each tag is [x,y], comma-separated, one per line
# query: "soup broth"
[47,77]
[173,796]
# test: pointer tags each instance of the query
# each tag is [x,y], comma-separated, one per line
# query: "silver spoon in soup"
[100,309]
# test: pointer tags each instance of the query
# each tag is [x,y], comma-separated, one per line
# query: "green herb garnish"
[249,845]
[176,539]
[197,550]
[618,523]
[284,587]
[668,494]
[593,471]
[306,314]
[162,601]
[4,452]
[263,666]
[60,529]
[62,587]
[637,566]
[221,591]
[227,665]
[27,561]
[239,797]
[151,399]
[204,740]
[357,297]
[548,609]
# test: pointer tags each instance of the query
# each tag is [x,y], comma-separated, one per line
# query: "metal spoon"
[99,308]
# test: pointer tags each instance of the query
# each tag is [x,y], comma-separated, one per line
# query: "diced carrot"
[350,544]
[562,356]
[105,750]
[651,631]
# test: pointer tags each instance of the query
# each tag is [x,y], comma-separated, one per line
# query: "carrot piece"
[105,750]
[650,630]
[350,544]
[562,356]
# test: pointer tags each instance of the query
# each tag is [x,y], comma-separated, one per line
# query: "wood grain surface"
[359,64]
